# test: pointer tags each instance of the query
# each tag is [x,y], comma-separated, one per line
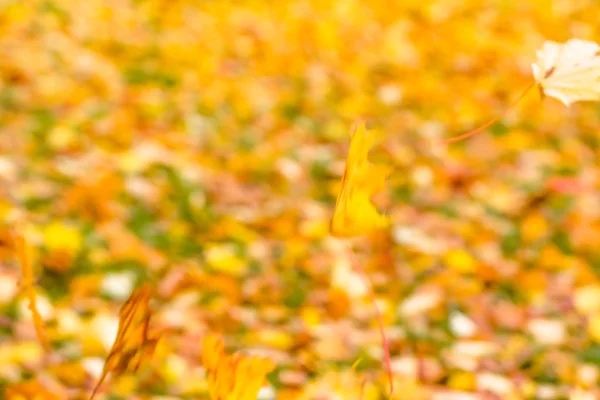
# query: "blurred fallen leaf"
[133,344]
[30,390]
[7,243]
[566,185]
[92,198]
[570,71]
[61,237]
[338,303]
[354,212]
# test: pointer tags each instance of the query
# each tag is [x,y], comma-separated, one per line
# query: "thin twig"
[386,349]
[28,285]
[490,122]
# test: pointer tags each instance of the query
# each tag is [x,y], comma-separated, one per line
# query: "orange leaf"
[31,389]
[132,344]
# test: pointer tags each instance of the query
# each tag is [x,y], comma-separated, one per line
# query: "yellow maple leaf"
[569,71]
[133,343]
[232,377]
[354,213]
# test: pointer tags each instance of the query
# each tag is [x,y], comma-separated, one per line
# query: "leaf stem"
[386,348]
[28,285]
[490,122]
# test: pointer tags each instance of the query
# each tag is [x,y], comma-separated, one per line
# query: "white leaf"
[570,71]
